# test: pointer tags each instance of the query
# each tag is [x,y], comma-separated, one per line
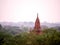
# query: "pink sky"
[26,10]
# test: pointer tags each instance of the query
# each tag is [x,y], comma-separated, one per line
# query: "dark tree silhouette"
[0,26]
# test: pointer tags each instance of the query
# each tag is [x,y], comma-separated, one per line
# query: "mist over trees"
[50,36]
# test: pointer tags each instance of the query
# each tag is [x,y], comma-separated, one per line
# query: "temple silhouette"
[37,27]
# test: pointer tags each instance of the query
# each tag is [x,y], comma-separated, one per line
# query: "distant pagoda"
[37,27]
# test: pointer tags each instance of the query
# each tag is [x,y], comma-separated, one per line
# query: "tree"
[0,26]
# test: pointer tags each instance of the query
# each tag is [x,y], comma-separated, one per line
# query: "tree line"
[50,36]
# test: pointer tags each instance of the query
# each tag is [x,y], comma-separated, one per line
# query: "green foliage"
[48,37]
[4,38]
[0,26]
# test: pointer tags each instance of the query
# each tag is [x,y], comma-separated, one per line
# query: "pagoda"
[37,27]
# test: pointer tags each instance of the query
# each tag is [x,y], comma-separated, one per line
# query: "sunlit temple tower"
[37,27]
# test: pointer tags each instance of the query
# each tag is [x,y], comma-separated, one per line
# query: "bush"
[48,37]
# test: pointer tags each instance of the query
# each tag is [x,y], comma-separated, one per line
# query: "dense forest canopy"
[49,36]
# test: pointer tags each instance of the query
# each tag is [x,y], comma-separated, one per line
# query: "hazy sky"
[26,10]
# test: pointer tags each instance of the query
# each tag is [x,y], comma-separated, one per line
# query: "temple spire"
[37,27]
[37,14]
